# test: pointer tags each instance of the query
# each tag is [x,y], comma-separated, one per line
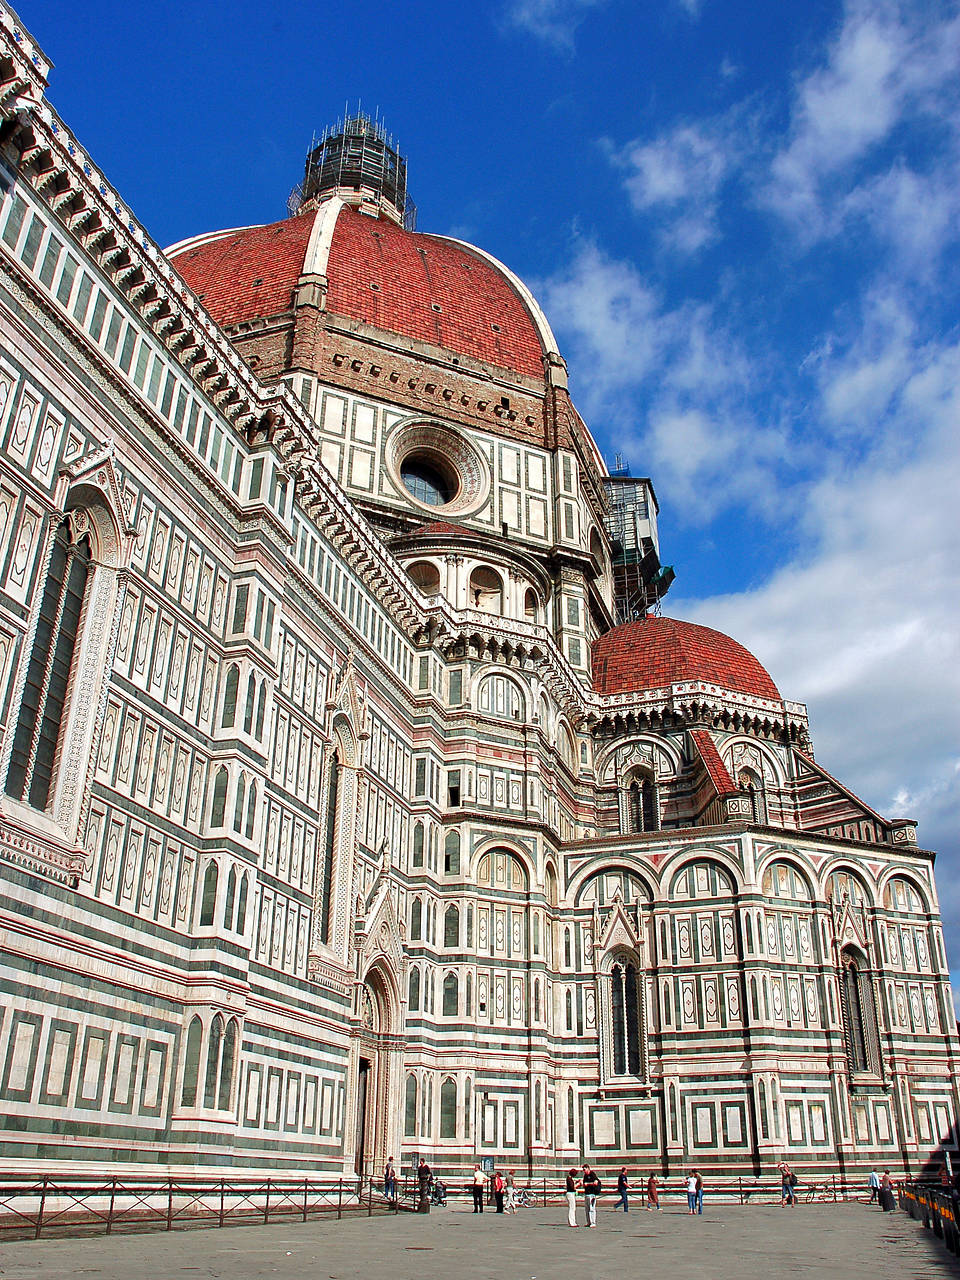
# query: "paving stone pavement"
[730,1242]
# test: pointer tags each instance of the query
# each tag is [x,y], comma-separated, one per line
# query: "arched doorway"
[378,1065]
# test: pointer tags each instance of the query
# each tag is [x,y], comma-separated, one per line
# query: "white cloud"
[555,22]
[679,174]
[864,625]
[890,63]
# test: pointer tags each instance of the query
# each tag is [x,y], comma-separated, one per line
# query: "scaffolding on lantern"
[356,154]
[639,579]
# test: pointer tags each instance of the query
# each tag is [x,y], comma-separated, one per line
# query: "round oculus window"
[438,468]
[427,480]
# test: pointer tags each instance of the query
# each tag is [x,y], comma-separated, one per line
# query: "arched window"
[330,839]
[859,1015]
[468,996]
[426,576]
[251,700]
[231,895]
[499,696]
[231,689]
[413,1000]
[261,707]
[627,1058]
[451,853]
[238,806]
[36,738]
[191,1063]
[531,606]
[571,1118]
[416,919]
[448,1109]
[642,806]
[567,948]
[227,1066]
[752,785]
[218,808]
[212,1074]
[536,1000]
[568,1005]
[418,844]
[251,811]
[451,926]
[410,1107]
[486,590]
[451,996]
[242,905]
[208,901]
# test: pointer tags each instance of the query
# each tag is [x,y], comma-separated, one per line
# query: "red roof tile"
[420,286]
[440,529]
[247,274]
[653,652]
[708,753]
[430,289]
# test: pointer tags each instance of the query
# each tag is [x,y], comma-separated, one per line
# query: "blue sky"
[743,221]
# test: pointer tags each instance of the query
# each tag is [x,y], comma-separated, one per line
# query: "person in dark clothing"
[623,1187]
[476,1186]
[591,1189]
[498,1190]
[424,1178]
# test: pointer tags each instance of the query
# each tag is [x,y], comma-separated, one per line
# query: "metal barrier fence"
[84,1206]
[936,1207]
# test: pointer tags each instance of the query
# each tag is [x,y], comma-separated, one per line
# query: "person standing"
[479,1178]
[699,1187]
[498,1190]
[511,1183]
[692,1192]
[887,1200]
[788,1182]
[873,1182]
[653,1194]
[390,1180]
[424,1178]
[591,1189]
[623,1187]
[571,1194]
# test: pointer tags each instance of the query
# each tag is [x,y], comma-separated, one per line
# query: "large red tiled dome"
[653,652]
[423,287]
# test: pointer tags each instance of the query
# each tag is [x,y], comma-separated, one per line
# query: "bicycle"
[523,1199]
[823,1192]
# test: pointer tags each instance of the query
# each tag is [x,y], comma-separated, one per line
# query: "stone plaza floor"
[730,1242]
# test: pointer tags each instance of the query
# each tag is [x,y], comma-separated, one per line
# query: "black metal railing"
[936,1207]
[70,1205]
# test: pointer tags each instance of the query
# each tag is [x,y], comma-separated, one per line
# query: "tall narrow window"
[37,734]
[251,811]
[249,708]
[227,1065]
[451,926]
[213,1062]
[208,902]
[448,1109]
[418,844]
[410,1108]
[859,1016]
[625,1026]
[451,853]
[231,896]
[242,905]
[191,1064]
[451,995]
[413,1000]
[218,808]
[642,805]
[231,688]
[329,845]
[238,806]
[416,920]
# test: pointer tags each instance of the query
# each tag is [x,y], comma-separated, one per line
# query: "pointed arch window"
[251,811]
[231,896]
[191,1063]
[213,1062]
[859,1015]
[231,689]
[451,996]
[410,1107]
[625,1018]
[413,1000]
[219,806]
[251,701]
[242,905]
[36,739]
[642,804]
[752,786]
[451,926]
[208,902]
[448,1108]
[333,787]
[238,807]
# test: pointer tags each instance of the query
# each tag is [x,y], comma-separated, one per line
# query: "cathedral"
[357,797]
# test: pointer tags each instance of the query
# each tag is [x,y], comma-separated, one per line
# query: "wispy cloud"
[555,22]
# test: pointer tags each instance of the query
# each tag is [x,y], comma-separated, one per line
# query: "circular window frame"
[447,450]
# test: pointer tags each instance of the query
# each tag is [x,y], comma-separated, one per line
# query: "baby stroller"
[438,1192]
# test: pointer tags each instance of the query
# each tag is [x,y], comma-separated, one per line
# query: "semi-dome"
[651,653]
[427,288]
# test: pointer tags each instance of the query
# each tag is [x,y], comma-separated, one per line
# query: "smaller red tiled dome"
[653,652]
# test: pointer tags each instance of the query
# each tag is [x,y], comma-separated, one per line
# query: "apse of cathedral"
[357,798]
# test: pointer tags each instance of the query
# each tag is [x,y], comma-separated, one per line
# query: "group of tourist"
[586,1180]
[881,1190]
[503,1186]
